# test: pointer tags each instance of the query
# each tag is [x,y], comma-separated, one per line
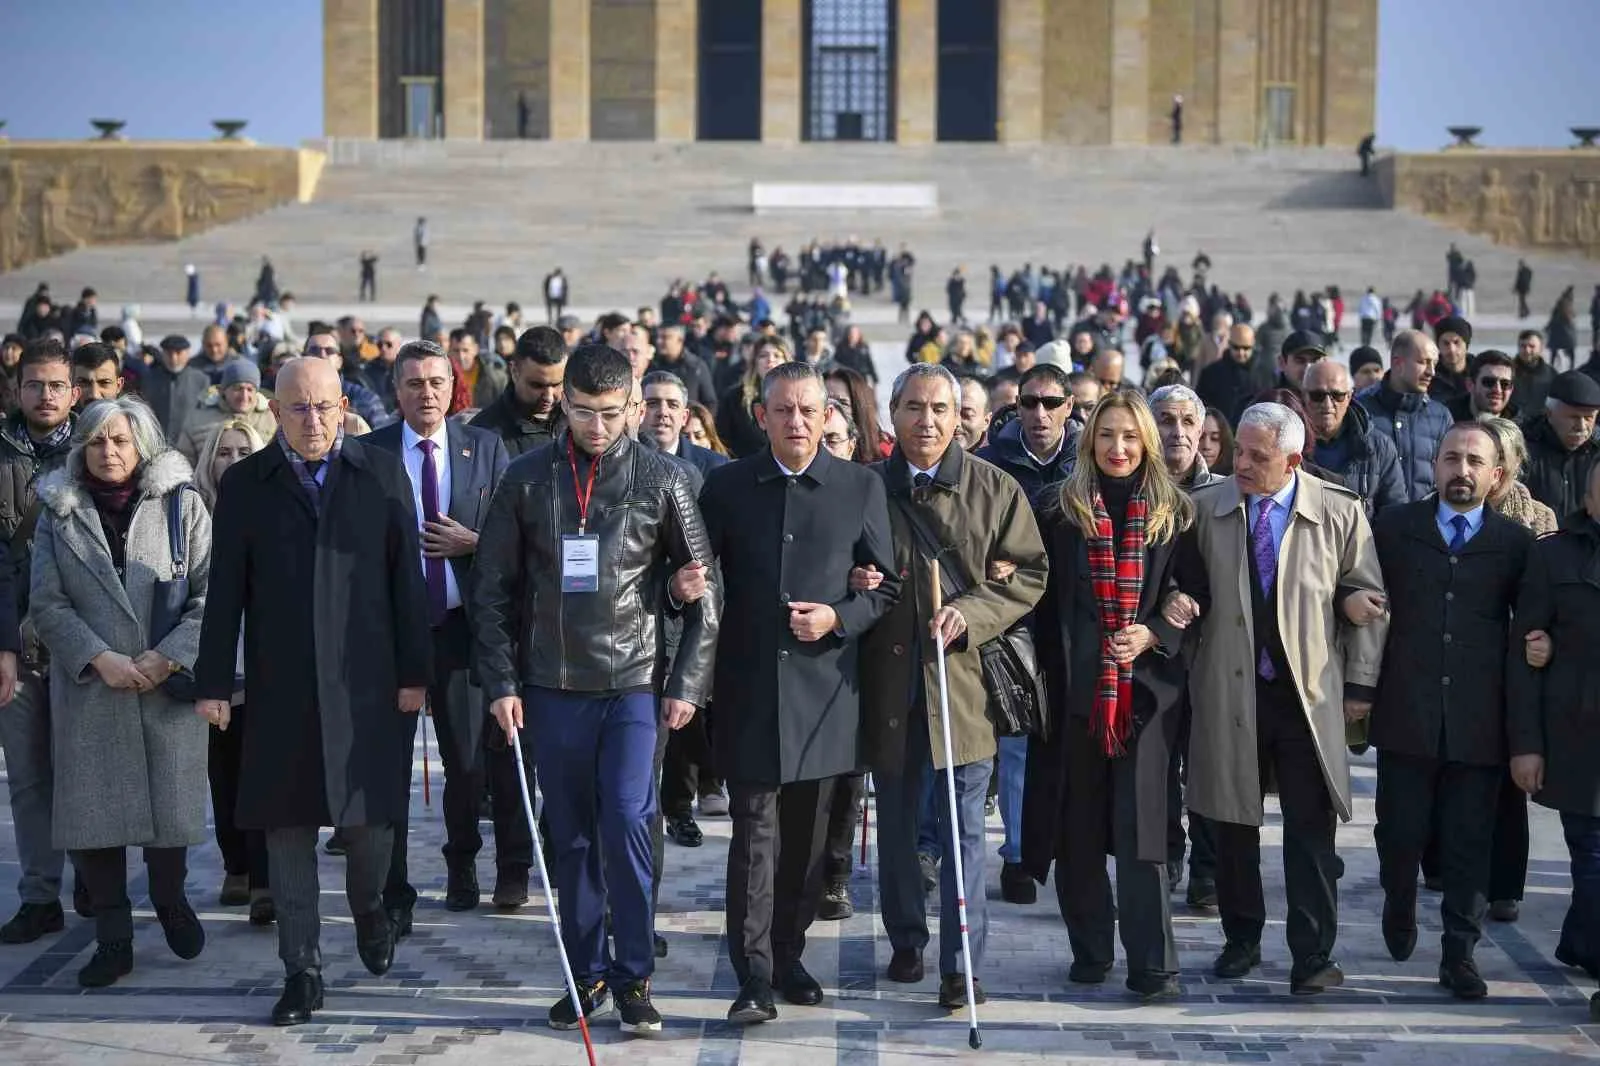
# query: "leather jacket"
[529,632]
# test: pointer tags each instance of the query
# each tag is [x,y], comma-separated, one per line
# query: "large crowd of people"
[678,561]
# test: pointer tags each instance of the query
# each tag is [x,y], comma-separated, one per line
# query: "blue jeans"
[900,824]
[595,758]
[1580,932]
[1013,768]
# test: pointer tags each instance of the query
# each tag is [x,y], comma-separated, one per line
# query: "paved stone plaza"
[474,988]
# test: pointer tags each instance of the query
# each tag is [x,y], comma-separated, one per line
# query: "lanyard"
[583,495]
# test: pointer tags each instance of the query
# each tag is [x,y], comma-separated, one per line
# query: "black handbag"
[1017,704]
[169,599]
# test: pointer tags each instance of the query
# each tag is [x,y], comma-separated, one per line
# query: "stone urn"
[1586,136]
[228,128]
[1464,135]
[110,128]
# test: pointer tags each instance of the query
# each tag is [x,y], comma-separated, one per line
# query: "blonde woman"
[1098,784]
[1512,499]
[736,410]
[244,851]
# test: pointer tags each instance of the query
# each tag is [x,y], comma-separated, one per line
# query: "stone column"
[1238,71]
[781,45]
[1021,71]
[916,94]
[350,68]
[1130,72]
[569,70]
[463,69]
[677,69]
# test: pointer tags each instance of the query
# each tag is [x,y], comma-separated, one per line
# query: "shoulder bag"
[170,599]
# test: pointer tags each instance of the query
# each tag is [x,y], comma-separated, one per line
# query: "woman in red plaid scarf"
[1098,784]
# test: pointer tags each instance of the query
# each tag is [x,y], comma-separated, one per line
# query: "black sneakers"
[639,1016]
[185,936]
[112,959]
[596,1000]
[32,921]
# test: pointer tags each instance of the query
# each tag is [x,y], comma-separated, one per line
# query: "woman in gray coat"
[130,760]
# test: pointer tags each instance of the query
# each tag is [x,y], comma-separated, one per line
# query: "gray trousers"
[30,777]
[292,857]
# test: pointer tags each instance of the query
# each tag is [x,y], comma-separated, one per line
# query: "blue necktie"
[1459,541]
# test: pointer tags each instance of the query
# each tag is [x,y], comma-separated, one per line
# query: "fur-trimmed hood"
[63,492]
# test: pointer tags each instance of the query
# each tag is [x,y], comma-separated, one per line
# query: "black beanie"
[1364,356]
[1454,324]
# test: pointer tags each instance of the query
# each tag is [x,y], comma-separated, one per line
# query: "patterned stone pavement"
[473,988]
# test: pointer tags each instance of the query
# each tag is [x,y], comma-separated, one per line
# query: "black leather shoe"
[302,994]
[906,966]
[1505,910]
[1399,932]
[262,910]
[1201,893]
[32,921]
[375,941]
[1088,973]
[1462,979]
[1152,984]
[799,987]
[1016,886]
[1594,1007]
[754,1004]
[400,916]
[660,946]
[185,936]
[1317,974]
[953,991]
[112,959]
[510,888]
[1236,960]
[461,892]
[684,831]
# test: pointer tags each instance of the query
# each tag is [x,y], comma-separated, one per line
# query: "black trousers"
[844,814]
[244,851]
[1102,792]
[1416,794]
[1287,752]
[687,769]
[1508,854]
[105,872]
[774,873]
[1202,846]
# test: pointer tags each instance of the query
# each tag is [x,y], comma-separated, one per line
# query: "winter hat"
[240,372]
[1454,324]
[1364,356]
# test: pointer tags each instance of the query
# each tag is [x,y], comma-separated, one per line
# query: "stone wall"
[1541,200]
[57,196]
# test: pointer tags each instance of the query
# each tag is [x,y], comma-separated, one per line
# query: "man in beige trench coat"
[1276,569]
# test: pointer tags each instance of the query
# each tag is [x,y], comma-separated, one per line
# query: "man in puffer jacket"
[1345,442]
[1400,410]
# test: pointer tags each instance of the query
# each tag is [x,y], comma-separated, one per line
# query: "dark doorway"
[411,68]
[730,70]
[849,70]
[969,70]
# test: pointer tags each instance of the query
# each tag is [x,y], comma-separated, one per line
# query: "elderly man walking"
[315,557]
[1273,560]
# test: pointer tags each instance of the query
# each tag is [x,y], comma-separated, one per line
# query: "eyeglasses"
[305,410]
[1327,396]
[588,414]
[1496,384]
[1049,403]
[54,388]
[321,349]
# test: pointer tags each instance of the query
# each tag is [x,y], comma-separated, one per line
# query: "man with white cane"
[948,506]
[570,577]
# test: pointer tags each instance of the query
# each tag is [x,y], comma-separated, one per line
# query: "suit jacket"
[1326,547]
[704,459]
[1443,689]
[787,710]
[334,614]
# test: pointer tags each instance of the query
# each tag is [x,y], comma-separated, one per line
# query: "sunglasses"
[1049,403]
[1327,395]
[1496,384]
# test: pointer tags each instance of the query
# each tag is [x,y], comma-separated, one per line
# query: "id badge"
[580,563]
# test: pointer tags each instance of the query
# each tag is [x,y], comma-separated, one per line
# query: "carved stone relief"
[1540,200]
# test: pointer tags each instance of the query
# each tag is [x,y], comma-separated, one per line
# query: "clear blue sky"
[1525,70]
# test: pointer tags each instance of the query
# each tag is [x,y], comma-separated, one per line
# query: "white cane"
[974,1040]
[550,896]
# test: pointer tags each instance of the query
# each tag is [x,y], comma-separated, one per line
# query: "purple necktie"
[434,568]
[1267,569]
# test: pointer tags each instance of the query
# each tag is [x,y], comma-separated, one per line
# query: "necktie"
[922,481]
[1266,557]
[1458,541]
[312,486]
[432,567]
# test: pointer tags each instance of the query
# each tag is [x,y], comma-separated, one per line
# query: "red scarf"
[1118,576]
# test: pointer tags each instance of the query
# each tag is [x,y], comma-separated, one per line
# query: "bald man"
[338,655]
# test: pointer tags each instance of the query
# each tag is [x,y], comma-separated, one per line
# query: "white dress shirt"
[411,451]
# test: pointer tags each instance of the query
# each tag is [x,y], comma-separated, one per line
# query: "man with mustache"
[1452,568]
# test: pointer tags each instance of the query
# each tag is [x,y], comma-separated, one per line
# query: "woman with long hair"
[702,429]
[1512,499]
[861,405]
[736,409]
[1097,785]
[1216,444]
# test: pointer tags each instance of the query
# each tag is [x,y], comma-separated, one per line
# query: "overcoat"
[1327,548]
[1072,681]
[130,768]
[335,621]
[786,710]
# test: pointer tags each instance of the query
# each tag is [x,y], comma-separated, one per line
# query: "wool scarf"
[1117,572]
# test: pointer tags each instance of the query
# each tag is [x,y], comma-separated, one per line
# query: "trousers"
[595,756]
[105,874]
[292,853]
[30,778]
[844,814]
[774,872]
[244,851]
[1580,932]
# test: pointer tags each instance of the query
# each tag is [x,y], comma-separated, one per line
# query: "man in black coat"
[1226,385]
[674,358]
[528,413]
[452,470]
[1563,443]
[1452,568]
[787,525]
[1555,748]
[304,531]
